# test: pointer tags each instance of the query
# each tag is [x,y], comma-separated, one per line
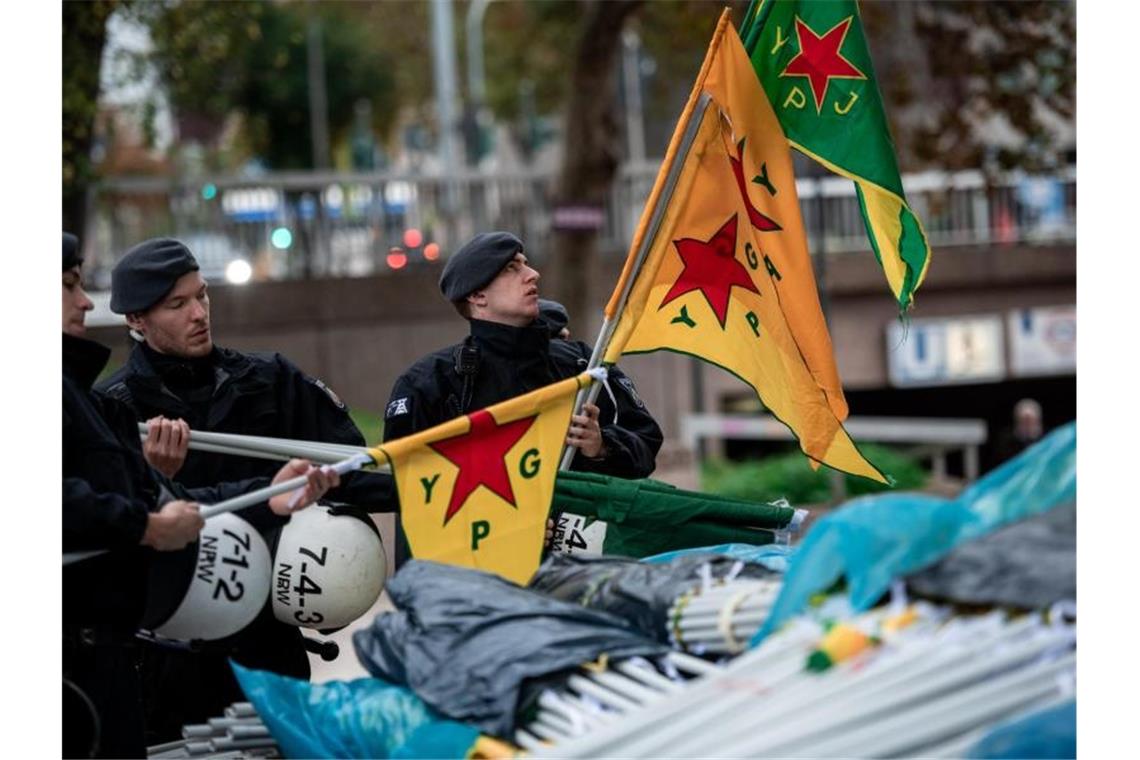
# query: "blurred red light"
[413,238]
[397,259]
[431,251]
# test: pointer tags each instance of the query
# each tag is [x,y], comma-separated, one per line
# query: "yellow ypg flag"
[727,277]
[475,491]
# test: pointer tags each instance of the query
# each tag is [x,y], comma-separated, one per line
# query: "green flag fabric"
[600,514]
[811,57]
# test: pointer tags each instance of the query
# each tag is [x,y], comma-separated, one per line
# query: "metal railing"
[932,438]
[296,225]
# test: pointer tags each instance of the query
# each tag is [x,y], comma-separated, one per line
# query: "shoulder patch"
[398,406]
[626,383]
[329,392]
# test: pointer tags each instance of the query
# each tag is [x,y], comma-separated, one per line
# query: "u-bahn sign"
[946,351]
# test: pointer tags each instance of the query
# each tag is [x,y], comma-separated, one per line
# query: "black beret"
[71,257]
[554,314]
[147,273]
[477,263]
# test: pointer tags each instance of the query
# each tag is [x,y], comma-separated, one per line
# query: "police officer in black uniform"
[176,380]
[510,351]
[113,500]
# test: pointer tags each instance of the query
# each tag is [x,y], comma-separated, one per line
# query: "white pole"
[606,333]
[245,500]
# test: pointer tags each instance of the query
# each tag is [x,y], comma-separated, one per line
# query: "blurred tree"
[84,32]
[591,146]
[674,35]
[250,58]
[977,85]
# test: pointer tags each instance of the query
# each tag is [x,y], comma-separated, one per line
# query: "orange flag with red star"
[726,275]
[476,490]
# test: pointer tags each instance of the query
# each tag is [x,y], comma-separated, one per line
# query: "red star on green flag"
[480,456]
[711,267]
[819,59]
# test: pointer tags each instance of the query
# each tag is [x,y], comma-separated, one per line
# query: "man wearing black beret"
[176,380]
[112,500]
[510,352]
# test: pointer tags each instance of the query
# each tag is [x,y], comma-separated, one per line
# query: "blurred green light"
[281,238]
[209,191]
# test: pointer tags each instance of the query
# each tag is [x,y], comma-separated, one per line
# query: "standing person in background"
[176,380]
[113,500]
[1028,428]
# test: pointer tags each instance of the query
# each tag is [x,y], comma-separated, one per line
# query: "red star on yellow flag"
[819,58]
[479,455]
[759,221]
[711,267]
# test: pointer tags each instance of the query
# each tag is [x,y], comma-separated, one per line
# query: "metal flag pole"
[605,334]
[247,500]
[287,448]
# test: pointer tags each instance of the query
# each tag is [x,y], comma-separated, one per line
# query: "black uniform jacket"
[108,490]
[250,394]
[498,362]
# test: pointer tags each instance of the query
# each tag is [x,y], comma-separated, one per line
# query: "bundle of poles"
[238,734]
[722,619]
[932,688]
[594,698]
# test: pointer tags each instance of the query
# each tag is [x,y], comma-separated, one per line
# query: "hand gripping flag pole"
[355,462]
[266,447]
[659,201]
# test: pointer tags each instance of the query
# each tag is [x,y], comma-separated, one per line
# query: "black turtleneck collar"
[179,372]
[84,359]
[509,341]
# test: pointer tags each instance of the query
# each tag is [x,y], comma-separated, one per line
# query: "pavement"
[346,667]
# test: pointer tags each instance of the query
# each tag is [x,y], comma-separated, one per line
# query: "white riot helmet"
[329,567]
[222,580]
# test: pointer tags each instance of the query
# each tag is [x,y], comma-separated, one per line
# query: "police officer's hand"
[173,526]
[321,479]
[585,434]
[166,444]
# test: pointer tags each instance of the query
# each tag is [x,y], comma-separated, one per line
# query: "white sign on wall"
[1043,341]
[946,351]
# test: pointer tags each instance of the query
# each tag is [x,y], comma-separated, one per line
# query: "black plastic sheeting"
[1028,565]
[468,642]
[638,592]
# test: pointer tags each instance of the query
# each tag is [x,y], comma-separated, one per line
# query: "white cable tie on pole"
[601,374]
[724,621]
[797,518]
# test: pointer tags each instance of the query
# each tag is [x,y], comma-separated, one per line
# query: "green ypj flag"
[812,59]
[601,514]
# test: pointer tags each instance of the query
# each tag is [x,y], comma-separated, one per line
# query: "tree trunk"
[84,32]
[590,158]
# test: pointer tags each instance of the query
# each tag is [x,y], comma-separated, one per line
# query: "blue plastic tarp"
[772,556]
[1050,733]
[366,717]
[874,539]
